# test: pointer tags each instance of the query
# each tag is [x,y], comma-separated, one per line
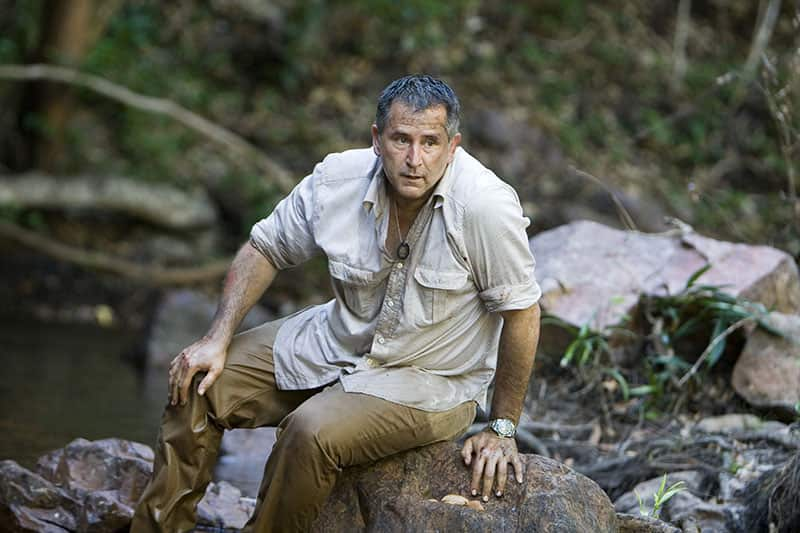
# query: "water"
[61,382]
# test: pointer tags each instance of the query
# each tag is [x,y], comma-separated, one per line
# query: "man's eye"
[401,140]
[431,142]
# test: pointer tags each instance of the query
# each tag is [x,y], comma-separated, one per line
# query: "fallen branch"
[730,329]
[236,145]
[148,274]
[157,204]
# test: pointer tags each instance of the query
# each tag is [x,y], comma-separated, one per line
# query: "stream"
[60,382]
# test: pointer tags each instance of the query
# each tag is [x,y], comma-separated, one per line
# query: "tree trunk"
[68,29]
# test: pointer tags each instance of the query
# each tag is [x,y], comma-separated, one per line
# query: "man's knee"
[312,433]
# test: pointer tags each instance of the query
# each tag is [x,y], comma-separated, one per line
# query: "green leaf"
[688,327]
[570,352]
[623,383]
[642,390]
[716,352]
[588,348]
[697,274]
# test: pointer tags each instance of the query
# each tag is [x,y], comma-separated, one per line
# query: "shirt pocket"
[356,288]
[439,294]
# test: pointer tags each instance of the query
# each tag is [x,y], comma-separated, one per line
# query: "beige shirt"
[423,331]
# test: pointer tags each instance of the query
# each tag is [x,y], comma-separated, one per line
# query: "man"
[434,291]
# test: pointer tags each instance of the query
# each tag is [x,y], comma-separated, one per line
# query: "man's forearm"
[516,353]
[249,276]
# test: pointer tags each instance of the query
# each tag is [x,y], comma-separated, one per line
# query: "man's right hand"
[205,355]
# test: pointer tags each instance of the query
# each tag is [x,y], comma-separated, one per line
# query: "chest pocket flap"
[352,275]
[360,290]
[437,279]
[438,295]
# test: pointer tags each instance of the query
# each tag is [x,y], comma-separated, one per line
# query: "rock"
[729,423]
[243,454]
[592,274]
[182,317]
[28,502]
[693,514]
[630,523]
[767,373]
[106,476]
[395,495]
[101,465]
[224,507]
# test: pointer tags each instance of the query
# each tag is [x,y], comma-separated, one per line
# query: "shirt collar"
[375,199]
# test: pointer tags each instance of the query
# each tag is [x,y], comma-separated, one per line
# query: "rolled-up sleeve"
[286,236]
[501,260]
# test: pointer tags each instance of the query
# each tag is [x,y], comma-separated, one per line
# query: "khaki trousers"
[320,431]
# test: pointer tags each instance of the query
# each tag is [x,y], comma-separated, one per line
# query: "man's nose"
[414,155]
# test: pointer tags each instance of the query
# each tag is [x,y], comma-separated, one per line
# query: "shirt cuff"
[260,239]
[511,297]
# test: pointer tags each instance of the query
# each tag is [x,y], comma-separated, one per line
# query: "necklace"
[403,249]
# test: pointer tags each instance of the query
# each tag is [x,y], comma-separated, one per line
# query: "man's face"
[415,150]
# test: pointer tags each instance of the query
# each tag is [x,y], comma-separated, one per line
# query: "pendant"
[403,250]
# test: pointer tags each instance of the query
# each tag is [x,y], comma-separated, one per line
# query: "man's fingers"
[502,475]
[488,475]
[466,452]
[186,381]
[477,472]
[174,384]
[210,378]
[519,469]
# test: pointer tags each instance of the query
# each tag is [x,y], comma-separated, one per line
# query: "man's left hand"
[490,455]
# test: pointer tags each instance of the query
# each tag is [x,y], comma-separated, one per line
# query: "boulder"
[404,492]
[182,317]
[28,502]
[595,275]
[106,476]
[767,373]
[93,486]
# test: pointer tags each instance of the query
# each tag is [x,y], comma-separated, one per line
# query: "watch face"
[503,427]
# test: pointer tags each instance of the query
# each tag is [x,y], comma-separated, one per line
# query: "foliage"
[674,318]
[597,77]
[661,496]
[671,319]
[591,349]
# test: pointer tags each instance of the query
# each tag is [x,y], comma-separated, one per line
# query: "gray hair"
[420,92]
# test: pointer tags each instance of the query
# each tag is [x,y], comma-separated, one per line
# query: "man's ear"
[376,145]
[454,142]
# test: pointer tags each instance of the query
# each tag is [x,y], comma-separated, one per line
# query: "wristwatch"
[503,427]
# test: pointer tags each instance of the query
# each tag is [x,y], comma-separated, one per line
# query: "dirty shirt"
[421,331]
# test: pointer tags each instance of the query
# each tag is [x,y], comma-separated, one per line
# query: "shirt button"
[381,340]
[390,303]
[372,363]
[399,265]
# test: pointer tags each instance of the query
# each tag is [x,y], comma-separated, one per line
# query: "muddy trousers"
[320,431]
